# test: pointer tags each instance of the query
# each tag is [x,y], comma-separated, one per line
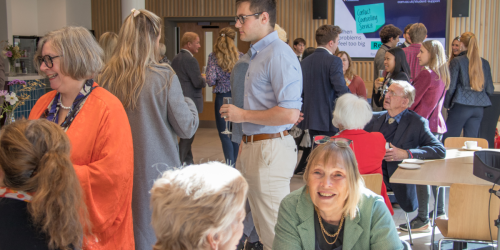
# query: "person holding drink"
[220,65]
[152,96]
[396,68]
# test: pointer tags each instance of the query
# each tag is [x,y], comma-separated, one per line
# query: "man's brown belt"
[260,137]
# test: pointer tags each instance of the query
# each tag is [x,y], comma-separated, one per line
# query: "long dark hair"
[308,52]
[401,65]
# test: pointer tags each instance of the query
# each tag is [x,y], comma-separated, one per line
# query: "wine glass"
[227,100]
[381,78]
[204,71]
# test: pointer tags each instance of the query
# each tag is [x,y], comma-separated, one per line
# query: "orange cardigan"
[102,155]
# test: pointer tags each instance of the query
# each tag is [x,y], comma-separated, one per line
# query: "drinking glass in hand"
[204,71]
[381,78]
[227,100]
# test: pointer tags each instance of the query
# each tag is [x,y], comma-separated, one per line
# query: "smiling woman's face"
[327,184]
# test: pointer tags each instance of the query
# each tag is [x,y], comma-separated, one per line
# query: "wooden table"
[455,168]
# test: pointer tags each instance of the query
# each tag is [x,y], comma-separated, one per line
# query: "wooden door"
[208,113]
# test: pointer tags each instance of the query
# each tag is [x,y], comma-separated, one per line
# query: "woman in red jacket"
[354,82]
[430,87]
[351,114]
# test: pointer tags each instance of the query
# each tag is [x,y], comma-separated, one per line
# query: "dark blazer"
[460,90]
[324,82]
[413,133]
[187,69]
[16,230]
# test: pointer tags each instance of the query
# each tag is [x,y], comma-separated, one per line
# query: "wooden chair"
[468,215]
[373,182]
[458,142]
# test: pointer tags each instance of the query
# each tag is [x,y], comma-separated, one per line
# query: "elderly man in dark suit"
[323,81]
[192,82]
[410,137]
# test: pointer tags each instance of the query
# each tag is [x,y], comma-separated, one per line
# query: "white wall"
[38,17]
[79,13]
[128,5]
[24,17]
[51,15]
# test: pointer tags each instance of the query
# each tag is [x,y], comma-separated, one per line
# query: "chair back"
[468,212]
[458,142]
[373,182]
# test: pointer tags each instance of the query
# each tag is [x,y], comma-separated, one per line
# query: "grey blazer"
[238,91]
[187,69]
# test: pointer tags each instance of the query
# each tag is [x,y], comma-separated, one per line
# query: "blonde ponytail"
[225,50]
[35,156]
[476,75]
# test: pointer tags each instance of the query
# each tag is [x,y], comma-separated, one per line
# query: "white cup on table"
[470,144]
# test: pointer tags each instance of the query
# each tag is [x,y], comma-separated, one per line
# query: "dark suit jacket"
[324,82]
[413,133]
[187,69]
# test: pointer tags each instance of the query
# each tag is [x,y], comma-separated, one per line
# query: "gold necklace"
[323,230]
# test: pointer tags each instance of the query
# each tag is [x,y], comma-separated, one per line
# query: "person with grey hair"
[99,130]
[351,115]
[197,207]
[409,137]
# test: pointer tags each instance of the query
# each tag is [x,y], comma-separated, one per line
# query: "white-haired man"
[410,137]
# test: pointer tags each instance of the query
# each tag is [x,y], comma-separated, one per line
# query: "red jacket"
[358,87]
[103,157]
[428,90]
[411,53]
[369,149]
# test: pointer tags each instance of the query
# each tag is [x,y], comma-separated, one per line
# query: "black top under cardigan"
[16,229]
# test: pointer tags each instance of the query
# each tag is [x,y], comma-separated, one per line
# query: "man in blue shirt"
[272,103]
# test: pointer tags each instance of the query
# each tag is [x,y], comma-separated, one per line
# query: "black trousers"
[463,117]
[185,153]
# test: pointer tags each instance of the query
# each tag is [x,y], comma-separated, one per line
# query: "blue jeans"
[230,148]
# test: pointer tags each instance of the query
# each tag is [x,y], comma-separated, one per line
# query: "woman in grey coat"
[157,110]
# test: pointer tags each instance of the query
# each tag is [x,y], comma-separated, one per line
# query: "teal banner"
[369,18]
[376,45]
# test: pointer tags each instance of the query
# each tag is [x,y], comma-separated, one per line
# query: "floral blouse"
[218,77]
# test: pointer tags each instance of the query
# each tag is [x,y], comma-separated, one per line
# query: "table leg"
[433,225]
[409,228]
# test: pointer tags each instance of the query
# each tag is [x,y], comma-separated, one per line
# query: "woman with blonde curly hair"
[152,96]
[41,201]
[220,65]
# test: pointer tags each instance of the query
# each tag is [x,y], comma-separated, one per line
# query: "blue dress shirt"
[397,118]
[274,78]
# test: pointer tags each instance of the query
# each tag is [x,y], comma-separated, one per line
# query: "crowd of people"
[82,172]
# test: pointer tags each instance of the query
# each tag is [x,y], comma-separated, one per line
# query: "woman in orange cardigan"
[98,128]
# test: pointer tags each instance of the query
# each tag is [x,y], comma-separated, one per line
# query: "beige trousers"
[267,166]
